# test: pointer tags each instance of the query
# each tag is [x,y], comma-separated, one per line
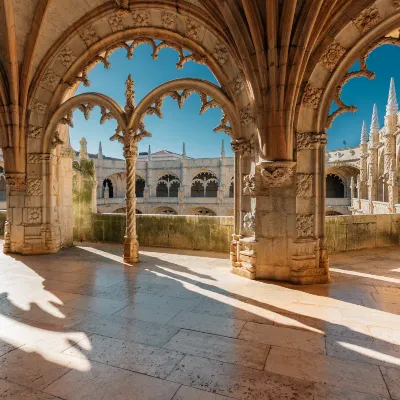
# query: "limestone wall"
[2,221]
[353,232]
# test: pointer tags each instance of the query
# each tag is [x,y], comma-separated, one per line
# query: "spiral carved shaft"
[131,157]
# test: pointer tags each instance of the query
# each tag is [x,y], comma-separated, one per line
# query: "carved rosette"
[332,55]
[15,181]
[277,173]
[304,185]
[367,19]
[305,225]
[312,96]
[34,215]
[249,185]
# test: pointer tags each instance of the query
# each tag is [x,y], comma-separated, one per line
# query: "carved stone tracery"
[305,225]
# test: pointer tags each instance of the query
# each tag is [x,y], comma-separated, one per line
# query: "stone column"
[352,189]
[390,161]
[131,244]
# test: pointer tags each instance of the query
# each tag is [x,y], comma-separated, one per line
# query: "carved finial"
[183,150]
[149,154]
[375,120]
[83,154]
[129,95]
[364,134]
[392,107]
[100,153]
[223,149]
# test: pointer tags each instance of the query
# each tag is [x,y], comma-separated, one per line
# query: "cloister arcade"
[275,107]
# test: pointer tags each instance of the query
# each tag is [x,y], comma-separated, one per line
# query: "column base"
[131,251]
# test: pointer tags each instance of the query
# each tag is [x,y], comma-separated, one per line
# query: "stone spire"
[223,149]
[83,154]
[375,121]
[364,134]
[149,154]
[100,153]
[129,96]
[392,107]
[184,150]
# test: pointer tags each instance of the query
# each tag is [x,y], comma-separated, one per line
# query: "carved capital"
[277,173]
[15,181]
[241,146]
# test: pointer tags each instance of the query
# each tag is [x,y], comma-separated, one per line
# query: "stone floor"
[82,325]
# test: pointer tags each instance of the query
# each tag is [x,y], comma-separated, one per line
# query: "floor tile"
[96,304]
[188,393]
[128,329]
[284,337]
[242,352]
[207,323]
[238,382]
[104,382]
[158,314]
[392,379]
[350,375]
[326,392]
[12,391]
[132,356]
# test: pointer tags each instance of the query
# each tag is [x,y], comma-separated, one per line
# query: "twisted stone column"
[131,244]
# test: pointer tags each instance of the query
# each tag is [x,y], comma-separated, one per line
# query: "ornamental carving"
[221,53]
[396,4]
[39,107]
[115,22]
[67,57]
[277,174]
[304,185]
[312,97]
[238,85]
[246,115]
[35,187]
[332,55]
[249,185]
[309,140]
[249,222]
[193,29]
[50,80]
[305,225]
[35,132]
[89,35]
[141,18]
[122,7]
[241,146]
[34,215]
[15,181]
[367,19]
[39,158]
[168,20]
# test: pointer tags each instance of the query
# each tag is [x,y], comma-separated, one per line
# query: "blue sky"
[196,130]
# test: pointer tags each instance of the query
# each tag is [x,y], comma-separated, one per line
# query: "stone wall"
[2,221]
[353,232]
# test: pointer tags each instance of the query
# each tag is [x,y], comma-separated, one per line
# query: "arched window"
[107,184]
[232,188]
[205,184]
[334,187]
[140,184]
[168,186]
[165,210]
[204,211]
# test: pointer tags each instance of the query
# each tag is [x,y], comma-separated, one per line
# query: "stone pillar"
[106,191]
[131,244]
[390,160]
[352,189]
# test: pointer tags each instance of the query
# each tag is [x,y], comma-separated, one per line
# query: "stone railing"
[331,201]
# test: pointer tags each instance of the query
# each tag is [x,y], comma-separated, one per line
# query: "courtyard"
[81,324]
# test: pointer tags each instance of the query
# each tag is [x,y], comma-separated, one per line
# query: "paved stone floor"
[82,325]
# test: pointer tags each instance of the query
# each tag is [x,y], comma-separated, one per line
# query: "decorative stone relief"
[67,57]
[35,132]
[221,53]
[193,29]
[238,85]
[246,115]
[115,21]
[367,19]
[123,6]
[312,97]
[56,141]
[249,221]
[34,215]
[277,173]
[89,35]
[304,185]
[305,225]
[332,55]
[39,107]
[168,20]
[141,18]
[50,80]
[39,158]
[35,187]
[15,181]
[309,140]
[241,146]
[249,185]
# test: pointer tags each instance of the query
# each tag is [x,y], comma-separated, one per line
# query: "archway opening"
[334,187]
[108,189]
[204,184]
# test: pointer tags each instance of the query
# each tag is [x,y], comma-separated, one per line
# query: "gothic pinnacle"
[375,120]
[223,149]
[183,150]
[392,107]
[129,95]
[149,154]
[364,134]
